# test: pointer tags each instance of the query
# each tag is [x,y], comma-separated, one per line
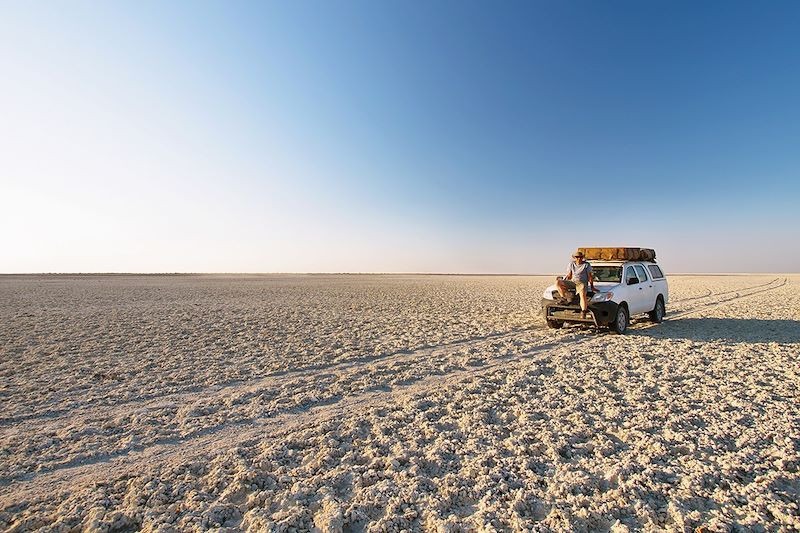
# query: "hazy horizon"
[11,274]
[453,137]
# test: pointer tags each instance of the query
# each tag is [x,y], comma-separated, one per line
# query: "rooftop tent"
[619,254]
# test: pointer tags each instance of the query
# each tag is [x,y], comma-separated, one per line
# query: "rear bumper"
[601,313]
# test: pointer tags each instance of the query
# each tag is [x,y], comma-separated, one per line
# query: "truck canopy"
[619,253]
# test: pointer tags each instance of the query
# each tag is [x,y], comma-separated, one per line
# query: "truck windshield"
[607,273]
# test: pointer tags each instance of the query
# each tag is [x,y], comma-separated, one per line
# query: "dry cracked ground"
[393,403]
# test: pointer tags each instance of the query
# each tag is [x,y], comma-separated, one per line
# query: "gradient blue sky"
[397,136]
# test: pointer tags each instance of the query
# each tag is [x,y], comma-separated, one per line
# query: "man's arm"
[591,280]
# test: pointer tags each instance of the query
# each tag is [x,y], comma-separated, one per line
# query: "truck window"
[640,273]
[630,273]
[607,273]
[655,270]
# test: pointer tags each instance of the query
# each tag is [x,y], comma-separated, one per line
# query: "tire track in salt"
[150,400]
[710,293]
[738,296]
[760,289]
[249,390]
[227,436]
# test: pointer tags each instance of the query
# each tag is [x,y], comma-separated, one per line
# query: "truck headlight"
[602,296]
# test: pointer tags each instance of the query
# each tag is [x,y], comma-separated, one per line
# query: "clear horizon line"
[343,273]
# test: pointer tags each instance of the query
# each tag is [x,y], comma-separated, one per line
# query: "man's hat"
[578,254]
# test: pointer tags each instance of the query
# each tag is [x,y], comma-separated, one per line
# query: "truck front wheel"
[554,324]
[620,323]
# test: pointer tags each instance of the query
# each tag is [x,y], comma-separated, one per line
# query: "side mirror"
[633,281]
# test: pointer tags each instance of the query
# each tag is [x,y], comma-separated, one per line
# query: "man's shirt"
[580,273]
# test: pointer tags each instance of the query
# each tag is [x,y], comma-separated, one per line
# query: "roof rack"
[619,253]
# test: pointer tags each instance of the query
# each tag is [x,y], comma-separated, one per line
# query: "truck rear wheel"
[658,312]
[620,323]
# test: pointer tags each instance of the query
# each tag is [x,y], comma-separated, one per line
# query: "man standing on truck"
[579,273]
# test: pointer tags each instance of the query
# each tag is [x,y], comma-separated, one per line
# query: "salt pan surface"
[420,403]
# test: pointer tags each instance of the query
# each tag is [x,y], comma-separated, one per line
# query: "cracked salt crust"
[371,403]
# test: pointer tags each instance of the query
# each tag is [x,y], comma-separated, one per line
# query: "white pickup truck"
[623,289]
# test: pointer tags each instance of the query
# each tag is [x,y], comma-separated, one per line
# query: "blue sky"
[397,136]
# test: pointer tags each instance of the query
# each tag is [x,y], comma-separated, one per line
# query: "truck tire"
[554,324]
[620,323]
[658,312]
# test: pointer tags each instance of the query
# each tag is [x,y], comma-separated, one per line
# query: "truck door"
[646,288]
[635,297]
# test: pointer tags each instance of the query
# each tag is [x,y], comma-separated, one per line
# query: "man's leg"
[562,287]
[580,288]
[565,285]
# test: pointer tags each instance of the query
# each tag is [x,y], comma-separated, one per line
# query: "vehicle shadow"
[725,329]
